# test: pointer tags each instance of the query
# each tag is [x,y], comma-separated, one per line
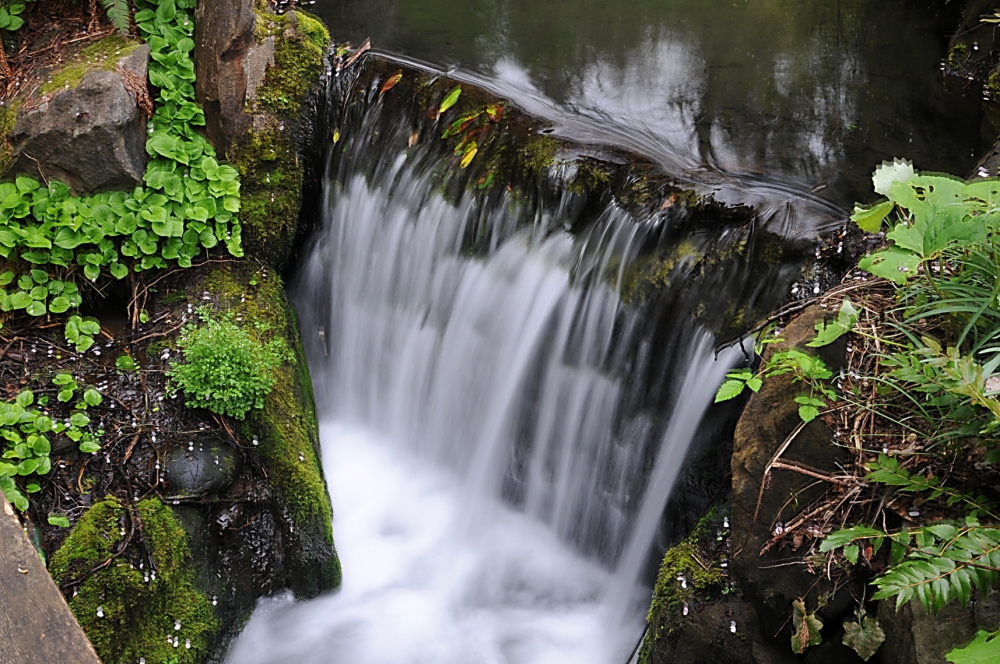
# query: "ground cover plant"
[917,405]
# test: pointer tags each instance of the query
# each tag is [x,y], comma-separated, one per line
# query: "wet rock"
[224,33]
[206,466]
[769,417]
[914,636]
[92,136]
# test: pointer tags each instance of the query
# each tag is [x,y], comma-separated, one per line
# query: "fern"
[120,14]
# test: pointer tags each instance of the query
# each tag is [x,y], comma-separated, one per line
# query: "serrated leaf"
[808,413]
[898,170]
[864,637]
[806,628]
[729,390]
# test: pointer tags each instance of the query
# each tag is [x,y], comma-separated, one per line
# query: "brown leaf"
[390,83]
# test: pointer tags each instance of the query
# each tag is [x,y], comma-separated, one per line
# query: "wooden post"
[36,624]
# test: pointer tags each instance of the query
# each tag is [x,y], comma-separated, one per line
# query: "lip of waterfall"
[786,208]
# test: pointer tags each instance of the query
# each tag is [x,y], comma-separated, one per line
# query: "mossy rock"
[102,55]
[8,118]
[129,602]
[270,160]
[286,429]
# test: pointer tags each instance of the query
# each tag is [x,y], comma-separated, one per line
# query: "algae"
[300,46]
[141,601]
[102,55]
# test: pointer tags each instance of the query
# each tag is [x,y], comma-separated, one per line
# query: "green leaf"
[888,173]
[125,363]
[851,553]
[894,264]
[808,413]
[59,304]
[79,420]
[863,637]
[57,519]
[984,649]
[450,99]
[36,308]
[729,390]
[870,219]
[93,397]
[25,398]
[89,447]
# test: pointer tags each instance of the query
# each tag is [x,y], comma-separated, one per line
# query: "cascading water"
[497,483]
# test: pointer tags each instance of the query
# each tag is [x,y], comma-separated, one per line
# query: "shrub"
[226,369]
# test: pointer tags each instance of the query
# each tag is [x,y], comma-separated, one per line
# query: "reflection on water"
[812,93]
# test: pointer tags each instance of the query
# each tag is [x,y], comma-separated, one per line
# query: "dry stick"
[781,465]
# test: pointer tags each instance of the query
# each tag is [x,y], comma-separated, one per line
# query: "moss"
[101,55]
[697,560]
[300,46]
[286,427]
[271,193]
[125,616]
[993,83]
[539,153]
[8,118]
[648,275]
[958,55]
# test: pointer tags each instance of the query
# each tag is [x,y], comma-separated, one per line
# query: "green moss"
[539,153]
[125,616]
[271,193]
[993,83]
[650,274]
[300,45]
[8,118]
[958,55]
[695,559]
[101,55]
[286,427]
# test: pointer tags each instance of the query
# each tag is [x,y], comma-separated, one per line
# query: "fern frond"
[120,14]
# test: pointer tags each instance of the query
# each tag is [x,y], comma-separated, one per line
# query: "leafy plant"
[806,368]
[806,628]
[226,369]
[120,14]
[10,15]
[984,649]
[26,447]
[864,635]
[50,238]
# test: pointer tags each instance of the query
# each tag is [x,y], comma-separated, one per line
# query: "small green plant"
[10,14]
[226,368]
[806,368]
[24,433]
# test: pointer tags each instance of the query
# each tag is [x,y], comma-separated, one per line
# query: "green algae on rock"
[129,599]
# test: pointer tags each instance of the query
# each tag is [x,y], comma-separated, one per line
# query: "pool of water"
[813,93]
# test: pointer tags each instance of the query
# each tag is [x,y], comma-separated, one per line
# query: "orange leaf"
[390,83]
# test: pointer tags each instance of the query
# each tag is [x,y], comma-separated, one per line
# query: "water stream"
[502,432]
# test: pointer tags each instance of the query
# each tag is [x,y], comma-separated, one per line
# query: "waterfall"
[497,483]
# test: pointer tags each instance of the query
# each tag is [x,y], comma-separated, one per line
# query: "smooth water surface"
[813,93]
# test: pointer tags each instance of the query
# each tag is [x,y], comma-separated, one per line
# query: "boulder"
[773,581]
[205,466]
[224,34]
[91,136]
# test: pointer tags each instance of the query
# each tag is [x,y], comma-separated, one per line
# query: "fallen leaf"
[450,99]
[494,112]
[390,83]
[470,154]
[413,139]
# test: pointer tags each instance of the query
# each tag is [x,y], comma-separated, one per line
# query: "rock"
[224,33]
[207,466]
[92,136]
[915,637]
[768,419]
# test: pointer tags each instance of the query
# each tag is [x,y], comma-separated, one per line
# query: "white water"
[481,487]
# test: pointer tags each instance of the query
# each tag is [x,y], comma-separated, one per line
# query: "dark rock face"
[770,416]
[911,635]
[206,466]
[224,32]
[92,137]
